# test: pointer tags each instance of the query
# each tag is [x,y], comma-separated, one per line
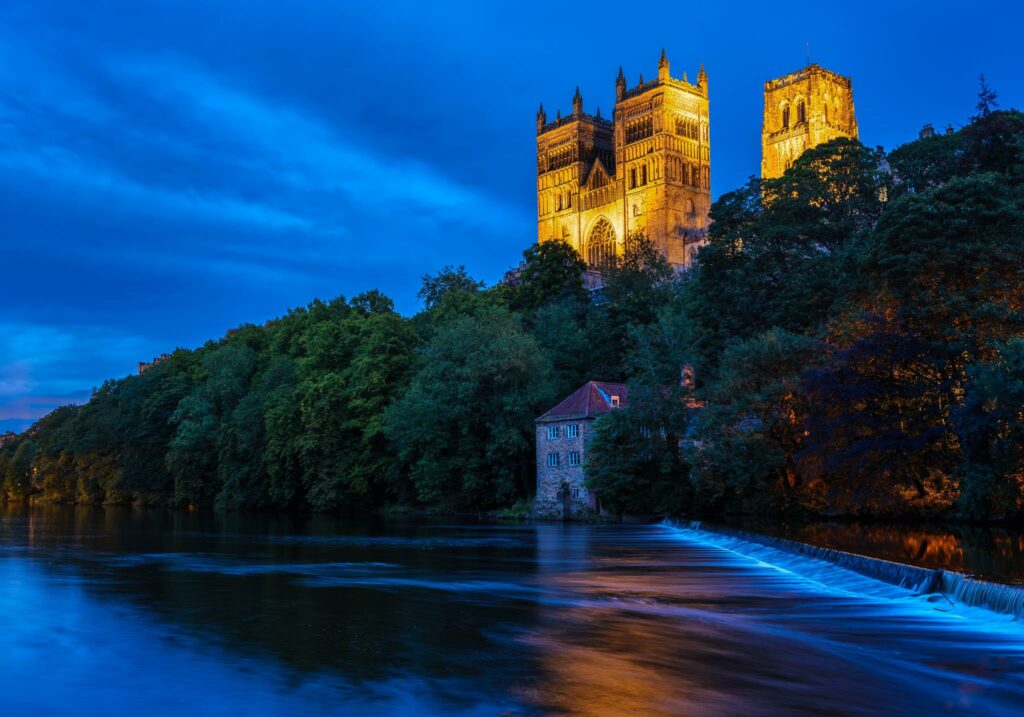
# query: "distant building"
[562,435]
[801,111]
[928,131]
[146,365]
[647,169]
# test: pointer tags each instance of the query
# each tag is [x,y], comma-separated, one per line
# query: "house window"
[552,460]
[645,431]
[615,401]
[572,431]
[574,458]
[576,493]
[552,432]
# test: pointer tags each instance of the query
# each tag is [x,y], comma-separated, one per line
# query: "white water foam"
[818,564]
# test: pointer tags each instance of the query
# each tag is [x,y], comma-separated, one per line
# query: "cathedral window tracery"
[560,158]
[687,128]
[601,244]
[639,129]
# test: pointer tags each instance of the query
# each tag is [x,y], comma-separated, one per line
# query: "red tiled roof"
[590,400]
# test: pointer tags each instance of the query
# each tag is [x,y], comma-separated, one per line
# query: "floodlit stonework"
[801,111]
[647,169]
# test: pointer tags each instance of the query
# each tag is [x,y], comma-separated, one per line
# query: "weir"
[954,586]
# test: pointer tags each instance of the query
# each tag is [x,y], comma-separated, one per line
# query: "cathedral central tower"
[801,111]
[648,169]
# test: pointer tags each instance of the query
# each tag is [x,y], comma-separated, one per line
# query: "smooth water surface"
[118,611]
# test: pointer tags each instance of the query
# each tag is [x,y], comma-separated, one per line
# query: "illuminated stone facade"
[802,110]
[648,169]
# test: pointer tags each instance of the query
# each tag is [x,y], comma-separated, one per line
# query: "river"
[149,612]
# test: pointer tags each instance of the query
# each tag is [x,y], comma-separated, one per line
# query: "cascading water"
[955,587]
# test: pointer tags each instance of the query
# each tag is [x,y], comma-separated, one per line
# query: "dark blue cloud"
[170,170]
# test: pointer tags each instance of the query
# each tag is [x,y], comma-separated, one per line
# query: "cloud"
[236,159]
[246,189]
[43,367]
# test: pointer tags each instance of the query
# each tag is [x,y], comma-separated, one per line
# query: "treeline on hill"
[855,330]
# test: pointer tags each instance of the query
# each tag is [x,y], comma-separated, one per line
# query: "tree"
[991,432]
[633,457]
[945,264]
[18,472]
[636,285]
[779,251]
[448,289]
[877,429]
[552,272]
[464,427]
[200,417]
[751,431]
[927,163]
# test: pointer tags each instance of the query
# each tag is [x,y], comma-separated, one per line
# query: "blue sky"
[169,170]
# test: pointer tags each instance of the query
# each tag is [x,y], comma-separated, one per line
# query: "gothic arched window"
[801,112]
[785,116]
[601,244]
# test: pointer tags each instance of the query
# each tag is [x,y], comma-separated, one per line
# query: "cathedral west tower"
[647,169]
[801,111]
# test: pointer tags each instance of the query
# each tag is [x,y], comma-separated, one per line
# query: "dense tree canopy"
[851,341]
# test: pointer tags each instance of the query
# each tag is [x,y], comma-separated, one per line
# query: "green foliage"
[850,341]
[779,250]
[991,430]
[635,286]
[464,426]
[450,290]
[634,465]
[551,272]
[752,428]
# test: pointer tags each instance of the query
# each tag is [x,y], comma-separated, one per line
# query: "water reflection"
[172,612]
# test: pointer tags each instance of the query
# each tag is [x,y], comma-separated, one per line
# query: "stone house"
[562,435]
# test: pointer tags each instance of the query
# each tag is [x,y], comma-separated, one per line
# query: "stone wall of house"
[554,481]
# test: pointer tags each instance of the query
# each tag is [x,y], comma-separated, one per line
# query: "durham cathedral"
[648,168]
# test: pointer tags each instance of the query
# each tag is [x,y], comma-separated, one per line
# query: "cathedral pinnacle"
[542,118]
[663,66]
[577,102]
[702,76]
[620,85]
[641,78]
